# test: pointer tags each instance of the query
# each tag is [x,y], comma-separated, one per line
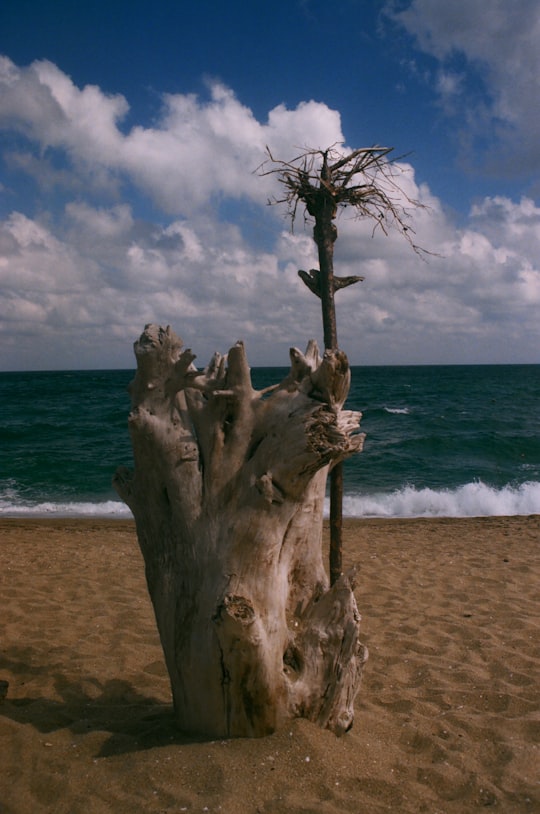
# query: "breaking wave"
[109,508]
[470,500]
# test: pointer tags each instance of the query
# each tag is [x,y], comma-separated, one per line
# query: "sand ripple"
[447,719]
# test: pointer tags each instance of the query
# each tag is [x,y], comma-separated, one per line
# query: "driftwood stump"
[227,495]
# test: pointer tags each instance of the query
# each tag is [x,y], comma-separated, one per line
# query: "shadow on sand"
[135,721]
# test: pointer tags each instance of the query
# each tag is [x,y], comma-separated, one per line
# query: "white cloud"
[105,276]
[499,41]
[50,109]
[94,296]
[101,222]
[78,284]
[196,150]
[477,300]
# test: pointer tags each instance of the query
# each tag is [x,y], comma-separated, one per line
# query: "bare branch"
[365,179]
[323,181]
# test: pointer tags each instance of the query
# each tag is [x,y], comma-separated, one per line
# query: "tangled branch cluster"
[323,180]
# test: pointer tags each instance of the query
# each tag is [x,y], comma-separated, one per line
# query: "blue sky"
[129,136]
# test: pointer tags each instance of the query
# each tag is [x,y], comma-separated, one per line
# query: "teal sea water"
[441,441]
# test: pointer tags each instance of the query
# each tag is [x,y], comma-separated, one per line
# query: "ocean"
[444,441]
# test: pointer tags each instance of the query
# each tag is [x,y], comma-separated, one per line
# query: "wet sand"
[446,720]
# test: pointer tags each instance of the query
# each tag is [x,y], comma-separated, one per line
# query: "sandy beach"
[446,720]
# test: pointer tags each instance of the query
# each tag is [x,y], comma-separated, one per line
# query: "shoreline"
[348,520]
[446,718]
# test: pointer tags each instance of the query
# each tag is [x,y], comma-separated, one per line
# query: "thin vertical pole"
[325,234]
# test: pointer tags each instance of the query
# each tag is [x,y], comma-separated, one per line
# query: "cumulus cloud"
[197,149]
[78,281]
[499,43]
[87,294]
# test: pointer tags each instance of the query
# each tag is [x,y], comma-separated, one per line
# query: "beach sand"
[446,719]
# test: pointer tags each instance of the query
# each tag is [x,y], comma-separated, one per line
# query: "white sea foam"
[397,410]
[109,508]
[471,500]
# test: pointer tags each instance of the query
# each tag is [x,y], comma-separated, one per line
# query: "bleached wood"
[227,493]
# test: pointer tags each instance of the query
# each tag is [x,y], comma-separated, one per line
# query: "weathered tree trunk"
[227,495]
